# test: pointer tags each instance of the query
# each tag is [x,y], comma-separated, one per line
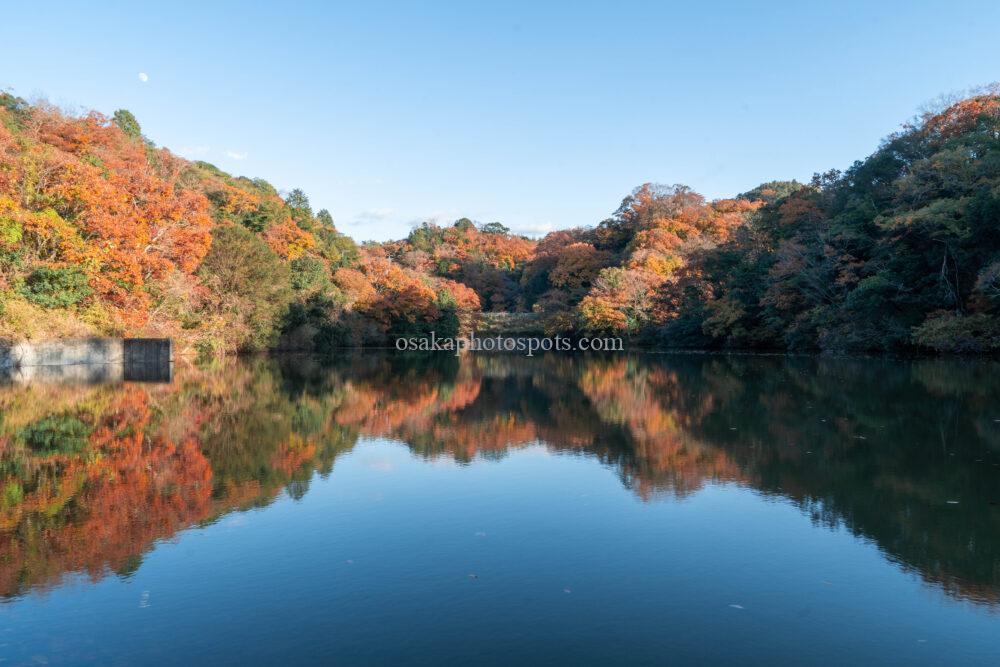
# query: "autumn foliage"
[101,232]
[77,192]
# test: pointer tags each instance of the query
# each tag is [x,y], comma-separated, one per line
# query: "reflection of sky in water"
[433,511]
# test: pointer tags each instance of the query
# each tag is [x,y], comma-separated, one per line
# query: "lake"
[499,509]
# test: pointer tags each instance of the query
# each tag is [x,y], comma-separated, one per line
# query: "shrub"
[23,320]
[208,348]
[11,232]
[56,288]
[947,332]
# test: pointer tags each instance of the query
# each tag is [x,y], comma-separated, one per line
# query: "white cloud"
[193,152]
[441,218]
[372,215]
[536,229]
[143,77]
[236,155]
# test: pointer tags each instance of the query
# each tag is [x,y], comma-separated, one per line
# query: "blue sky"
[539,115]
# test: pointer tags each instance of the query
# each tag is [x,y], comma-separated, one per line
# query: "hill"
[103,233]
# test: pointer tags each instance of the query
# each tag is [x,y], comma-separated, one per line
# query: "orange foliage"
[465,297]
[577,265]
[664,227]
[355,286]
[99,203]
[961,117]
[236,201]
[799,209]
[288,240]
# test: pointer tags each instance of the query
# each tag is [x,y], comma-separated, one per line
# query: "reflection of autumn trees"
[91,477]
[662,452]
[876,446]
[616,409]
[89,490]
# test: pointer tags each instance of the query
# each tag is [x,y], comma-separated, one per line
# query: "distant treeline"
[101,232]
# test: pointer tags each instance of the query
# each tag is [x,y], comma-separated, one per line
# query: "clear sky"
[539,115]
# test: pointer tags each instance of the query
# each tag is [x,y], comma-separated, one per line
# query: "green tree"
[324,218]
[464,224]
[426,237]
[309,274]
[297,199]
[252,285]
[495,228]
[124,119]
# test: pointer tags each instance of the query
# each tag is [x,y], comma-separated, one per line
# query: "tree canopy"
[103,233]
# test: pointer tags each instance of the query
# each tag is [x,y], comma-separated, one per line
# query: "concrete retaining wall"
[64,353]
[89,360]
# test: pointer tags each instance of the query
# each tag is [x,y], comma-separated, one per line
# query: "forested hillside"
[103,233]
[899,252]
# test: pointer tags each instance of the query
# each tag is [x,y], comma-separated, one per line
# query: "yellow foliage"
[599,315]
[288,240]
[23,320]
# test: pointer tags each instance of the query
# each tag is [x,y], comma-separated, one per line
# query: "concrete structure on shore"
[88,360]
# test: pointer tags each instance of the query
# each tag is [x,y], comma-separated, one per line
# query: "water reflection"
[903,453]
[141,370]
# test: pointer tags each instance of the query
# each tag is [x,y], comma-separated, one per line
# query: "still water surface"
[497,509]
